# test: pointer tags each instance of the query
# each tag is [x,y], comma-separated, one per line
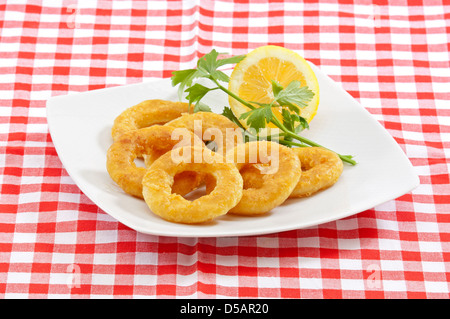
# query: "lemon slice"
[251,79]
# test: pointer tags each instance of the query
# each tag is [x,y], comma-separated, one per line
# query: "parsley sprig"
[288,101]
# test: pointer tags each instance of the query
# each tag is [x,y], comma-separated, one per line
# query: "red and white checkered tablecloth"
[392,56]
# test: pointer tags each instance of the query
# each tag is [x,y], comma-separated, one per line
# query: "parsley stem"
[291,143]
[345,158]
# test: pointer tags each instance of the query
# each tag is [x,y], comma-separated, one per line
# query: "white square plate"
[80,126]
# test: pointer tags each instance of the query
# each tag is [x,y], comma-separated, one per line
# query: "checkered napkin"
[392,56]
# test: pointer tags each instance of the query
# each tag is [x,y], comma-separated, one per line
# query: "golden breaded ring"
[321,168]
[157,184]
[277,184]
[147,113]
[158,139]
[187,181]
[211,127]
[251,174]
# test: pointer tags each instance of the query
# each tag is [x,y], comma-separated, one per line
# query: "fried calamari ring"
[211,127]
[251,174]
[280,178]
[158,181]
[156,139]
[321,169]
[147,113]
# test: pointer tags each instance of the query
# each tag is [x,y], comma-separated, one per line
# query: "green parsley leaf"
[276,88]
[228,113]
[209,61]
[293,96]
[183,78]
[231,60]
[303,124]
[219,75]
[206,68]
[290,120]
[201,107]
[180,76]
[197,92]
[258,117]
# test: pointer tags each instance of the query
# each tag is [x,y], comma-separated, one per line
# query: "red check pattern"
[392,56]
